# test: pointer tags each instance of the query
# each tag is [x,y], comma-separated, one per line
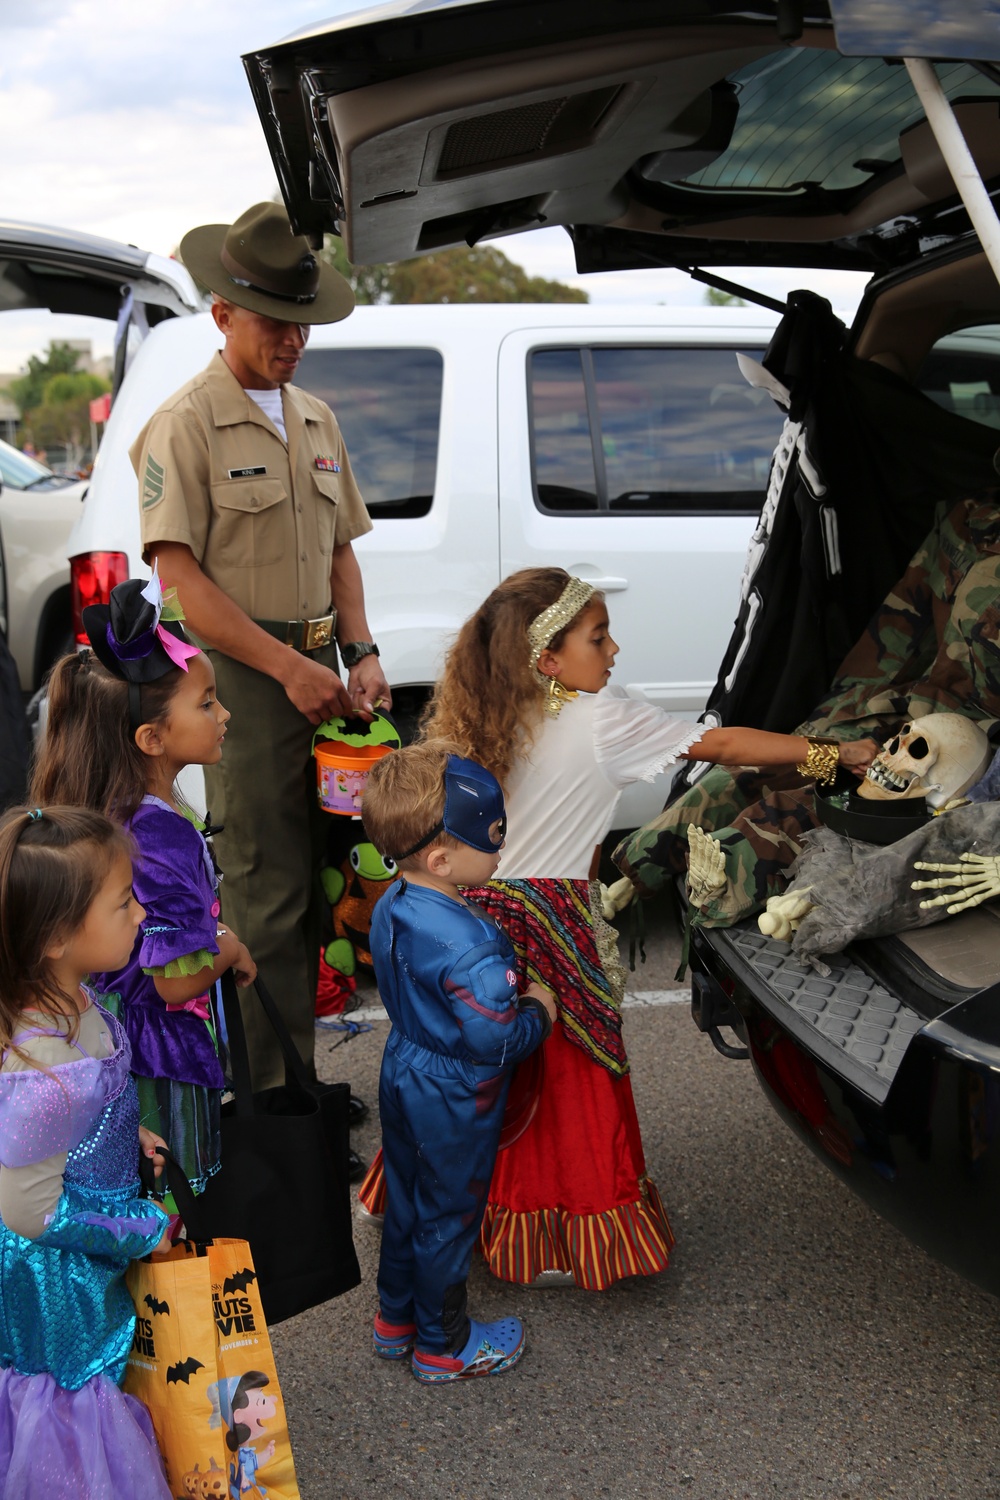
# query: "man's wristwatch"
[355,651]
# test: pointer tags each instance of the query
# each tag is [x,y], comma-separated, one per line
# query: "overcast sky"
[133,119]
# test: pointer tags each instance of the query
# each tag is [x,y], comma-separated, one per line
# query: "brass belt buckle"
[317,633]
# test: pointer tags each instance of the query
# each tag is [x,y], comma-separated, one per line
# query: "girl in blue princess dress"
[71,1218]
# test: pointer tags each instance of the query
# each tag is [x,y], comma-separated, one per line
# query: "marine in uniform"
[249,504]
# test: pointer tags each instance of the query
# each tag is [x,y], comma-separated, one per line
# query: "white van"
[621,443]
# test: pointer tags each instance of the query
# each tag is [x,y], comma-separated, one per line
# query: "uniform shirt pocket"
[250,521]
[327,488]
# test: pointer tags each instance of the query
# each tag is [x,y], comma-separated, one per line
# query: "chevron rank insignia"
[152,483]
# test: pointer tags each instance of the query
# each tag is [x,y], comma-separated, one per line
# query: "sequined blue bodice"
[107,1157]
[64,1307]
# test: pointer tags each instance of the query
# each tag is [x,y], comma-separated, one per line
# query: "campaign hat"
[258,263]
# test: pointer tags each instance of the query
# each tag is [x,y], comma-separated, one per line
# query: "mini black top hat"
[129,637]
[125,634]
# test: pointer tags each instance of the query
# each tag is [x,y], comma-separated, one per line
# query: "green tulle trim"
[180,968]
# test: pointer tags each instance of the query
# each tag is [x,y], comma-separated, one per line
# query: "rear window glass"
[962,374]
[811,120]
[648,431]
[388,404]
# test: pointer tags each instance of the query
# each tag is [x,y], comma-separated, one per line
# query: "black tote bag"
[283,1184]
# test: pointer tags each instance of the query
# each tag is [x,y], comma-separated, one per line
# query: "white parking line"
[633,1000]
[656,997]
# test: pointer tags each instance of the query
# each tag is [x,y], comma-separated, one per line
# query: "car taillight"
[92,576]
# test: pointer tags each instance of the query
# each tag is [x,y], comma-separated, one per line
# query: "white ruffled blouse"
[561,795]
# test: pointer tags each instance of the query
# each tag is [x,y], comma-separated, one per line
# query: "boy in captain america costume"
[446,975]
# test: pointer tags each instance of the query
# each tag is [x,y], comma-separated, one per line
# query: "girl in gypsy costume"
[125,718]
[71,1216]
[525,692]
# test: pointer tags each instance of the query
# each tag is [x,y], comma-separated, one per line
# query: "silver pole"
[958,158]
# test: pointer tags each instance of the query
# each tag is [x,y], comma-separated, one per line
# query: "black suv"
[703,135]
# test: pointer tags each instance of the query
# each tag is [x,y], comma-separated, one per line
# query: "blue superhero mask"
[473,803]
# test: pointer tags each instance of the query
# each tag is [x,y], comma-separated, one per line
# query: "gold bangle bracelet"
[821,762]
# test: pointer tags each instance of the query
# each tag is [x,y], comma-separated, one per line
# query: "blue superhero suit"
[445,972]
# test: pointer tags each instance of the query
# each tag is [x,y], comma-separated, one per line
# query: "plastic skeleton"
[706,866]
[938,757]
[976,879]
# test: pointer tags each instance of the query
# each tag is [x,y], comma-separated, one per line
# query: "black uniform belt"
[303,635]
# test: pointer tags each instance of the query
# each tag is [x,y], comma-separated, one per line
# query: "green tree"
[370,284]
[716,297]
[28,390]
[61,419]
[482,274]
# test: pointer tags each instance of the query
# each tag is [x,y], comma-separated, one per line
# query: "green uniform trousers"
[263,792]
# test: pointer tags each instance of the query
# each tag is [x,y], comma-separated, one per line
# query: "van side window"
[646,430]
[962,374]
[388,404]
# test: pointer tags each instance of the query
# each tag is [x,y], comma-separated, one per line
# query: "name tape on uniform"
[247,473]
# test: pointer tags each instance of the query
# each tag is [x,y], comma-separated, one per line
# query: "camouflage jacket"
[933,644]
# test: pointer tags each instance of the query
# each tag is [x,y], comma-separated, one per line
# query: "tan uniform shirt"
[261,519]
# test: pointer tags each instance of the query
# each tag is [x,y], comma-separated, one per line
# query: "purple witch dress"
[66,1317]
[175,1052]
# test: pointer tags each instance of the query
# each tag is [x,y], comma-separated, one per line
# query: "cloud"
[135,121]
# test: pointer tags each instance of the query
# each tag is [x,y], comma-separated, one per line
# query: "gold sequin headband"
[543,627]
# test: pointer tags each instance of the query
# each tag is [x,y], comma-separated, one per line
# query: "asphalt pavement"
[797,1346]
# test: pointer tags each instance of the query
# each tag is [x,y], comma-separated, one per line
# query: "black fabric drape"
[886,456]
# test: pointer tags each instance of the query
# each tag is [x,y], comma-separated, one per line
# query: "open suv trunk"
[700,134]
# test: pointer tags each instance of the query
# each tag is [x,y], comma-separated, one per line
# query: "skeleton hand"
[951,805]
[977,878]
[784,913]
[614,898]
[706,867]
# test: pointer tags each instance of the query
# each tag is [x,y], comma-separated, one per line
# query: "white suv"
[621,443]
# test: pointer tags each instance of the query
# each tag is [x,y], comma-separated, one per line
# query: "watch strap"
[354,651]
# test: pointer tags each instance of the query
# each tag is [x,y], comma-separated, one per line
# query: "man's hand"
[366,685]
[316,690]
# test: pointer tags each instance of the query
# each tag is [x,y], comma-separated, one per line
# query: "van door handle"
[606,585]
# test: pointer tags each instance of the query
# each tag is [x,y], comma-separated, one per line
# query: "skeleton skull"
[938,757]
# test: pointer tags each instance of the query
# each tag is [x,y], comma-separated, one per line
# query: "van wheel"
[408,705]
[55,637]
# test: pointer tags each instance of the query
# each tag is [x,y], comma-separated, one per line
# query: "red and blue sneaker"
[491,1348]
[393,1340]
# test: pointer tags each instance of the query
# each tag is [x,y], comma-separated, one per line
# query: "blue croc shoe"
[392,1340]
[491,1349]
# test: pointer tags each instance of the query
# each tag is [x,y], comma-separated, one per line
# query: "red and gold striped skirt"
[570,1193]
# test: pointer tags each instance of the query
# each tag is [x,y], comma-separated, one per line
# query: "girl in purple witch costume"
[125,718]
[70,1215]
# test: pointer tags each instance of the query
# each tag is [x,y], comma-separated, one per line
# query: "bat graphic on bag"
[154,1305]
[183,1370]
[239,1281]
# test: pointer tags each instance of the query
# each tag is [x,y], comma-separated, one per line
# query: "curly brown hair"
[487,702]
